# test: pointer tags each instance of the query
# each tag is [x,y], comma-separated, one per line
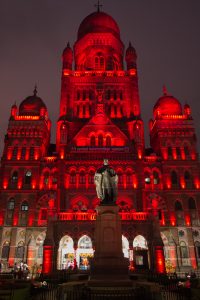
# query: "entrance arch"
[65,253]
[140,249]
[125,246]
[84,252]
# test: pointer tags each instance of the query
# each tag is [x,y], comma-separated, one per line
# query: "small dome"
[98,22]
[167,105]
[32,105]
[130,50]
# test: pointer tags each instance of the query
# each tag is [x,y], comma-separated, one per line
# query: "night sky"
[33,34]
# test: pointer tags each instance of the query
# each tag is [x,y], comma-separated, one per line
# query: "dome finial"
[35,90]
[68,44]
[164,90]
[98,5]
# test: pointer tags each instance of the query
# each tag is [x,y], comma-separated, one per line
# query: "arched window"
[23,153]
[78,95]
[46,179]
[11,204]
[82,177]
[191,203]
[187,176]
[14,177]
[169,150]
[55,179]
[32,150]
[108,141]
[183,250]
[5,250]
[125,246]
[156,179]
[96,62]
[178,151]
[28,177]
[140,242]
[91,95]
[85,242]
[92,141]
[63,133]
[72,177]
[43,214]
[178,206]
[129,177]
[19,252]
[110,63]
[197,250]
[120,177]
[186,150]
[99,62]
[100,140]
[84,94]
[24,206]
[15,150]
[91,177]
[174,177]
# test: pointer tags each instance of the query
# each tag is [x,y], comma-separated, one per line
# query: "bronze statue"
[106,181]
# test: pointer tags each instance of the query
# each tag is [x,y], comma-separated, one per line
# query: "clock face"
[28,173]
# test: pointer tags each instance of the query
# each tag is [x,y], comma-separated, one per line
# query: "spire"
[98,6]
[165,93]
[35,91]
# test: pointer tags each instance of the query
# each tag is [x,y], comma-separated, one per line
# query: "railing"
[91,216]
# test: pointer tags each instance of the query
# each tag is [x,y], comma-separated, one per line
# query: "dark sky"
[33,34]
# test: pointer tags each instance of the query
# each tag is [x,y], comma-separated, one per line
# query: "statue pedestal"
[108,264]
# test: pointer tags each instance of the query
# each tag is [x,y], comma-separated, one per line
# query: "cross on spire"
[98,5]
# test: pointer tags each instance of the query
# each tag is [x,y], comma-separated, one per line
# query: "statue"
[106,181]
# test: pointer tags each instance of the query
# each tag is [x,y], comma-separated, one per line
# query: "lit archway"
[125,246]
[65,253]
[140,249]
[84,252]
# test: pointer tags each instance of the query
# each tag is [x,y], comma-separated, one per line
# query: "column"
[11,259]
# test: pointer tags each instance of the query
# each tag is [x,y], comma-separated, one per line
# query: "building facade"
[48,197]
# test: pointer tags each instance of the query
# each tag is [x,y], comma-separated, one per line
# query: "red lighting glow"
[5,183]
[27,117]
[173,219]
[187,220]
[160,260]
[30,220]
[47,259]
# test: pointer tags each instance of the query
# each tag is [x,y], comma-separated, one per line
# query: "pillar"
[11,259]
[31,253]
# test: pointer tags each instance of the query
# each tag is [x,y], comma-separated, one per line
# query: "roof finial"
[98,5]
[68,45]
[35,90]
[164,90]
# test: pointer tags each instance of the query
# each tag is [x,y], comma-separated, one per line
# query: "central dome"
[98,22]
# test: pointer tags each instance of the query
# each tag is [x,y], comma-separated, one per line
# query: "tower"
[48,198]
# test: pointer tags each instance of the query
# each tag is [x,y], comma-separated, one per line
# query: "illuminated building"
[48,197]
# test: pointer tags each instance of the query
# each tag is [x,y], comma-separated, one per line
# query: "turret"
[131,57]
[67,58]
[13,111]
